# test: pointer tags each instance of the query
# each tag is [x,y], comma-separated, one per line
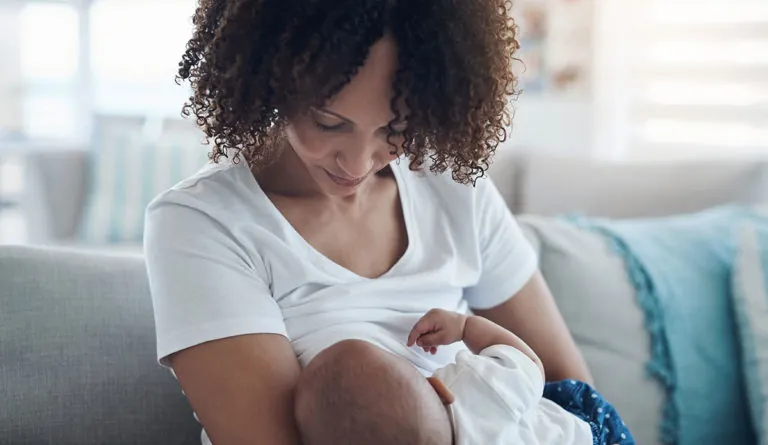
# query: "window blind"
[682,78]
[697,83]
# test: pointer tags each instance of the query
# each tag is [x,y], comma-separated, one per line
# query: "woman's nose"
[356,163]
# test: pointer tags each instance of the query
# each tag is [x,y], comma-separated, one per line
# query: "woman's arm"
[242,388]
[533,315]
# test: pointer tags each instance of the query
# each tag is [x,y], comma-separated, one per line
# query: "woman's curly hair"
[252,63]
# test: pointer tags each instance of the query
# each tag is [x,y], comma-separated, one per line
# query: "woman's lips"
[345,182]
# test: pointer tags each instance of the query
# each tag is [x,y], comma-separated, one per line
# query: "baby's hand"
[436,328]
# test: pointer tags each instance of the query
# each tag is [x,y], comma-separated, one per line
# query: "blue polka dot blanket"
[581,400]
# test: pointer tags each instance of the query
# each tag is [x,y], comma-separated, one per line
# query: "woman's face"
[345,142]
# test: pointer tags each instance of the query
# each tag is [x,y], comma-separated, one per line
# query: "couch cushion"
[77,361]
[589,282]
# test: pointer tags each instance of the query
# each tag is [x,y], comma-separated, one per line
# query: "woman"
[344,201]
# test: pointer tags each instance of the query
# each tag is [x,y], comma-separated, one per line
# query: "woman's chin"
[335,186]
[330,188]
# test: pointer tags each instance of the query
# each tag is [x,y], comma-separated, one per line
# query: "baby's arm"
[439,327]
[480,333]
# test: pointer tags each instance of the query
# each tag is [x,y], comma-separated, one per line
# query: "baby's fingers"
[421,327]
[430,339]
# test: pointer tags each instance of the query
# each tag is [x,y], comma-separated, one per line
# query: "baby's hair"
[367,397]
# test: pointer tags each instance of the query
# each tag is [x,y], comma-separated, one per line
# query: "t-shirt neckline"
[330,265]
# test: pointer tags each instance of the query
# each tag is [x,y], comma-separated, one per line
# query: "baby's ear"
[442,391]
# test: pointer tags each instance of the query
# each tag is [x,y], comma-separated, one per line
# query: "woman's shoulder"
[218,193]
[214,185]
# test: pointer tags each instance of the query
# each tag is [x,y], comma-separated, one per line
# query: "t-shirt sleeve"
[508,260]
[204,285]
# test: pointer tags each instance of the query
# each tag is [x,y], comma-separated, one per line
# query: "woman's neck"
[288,177]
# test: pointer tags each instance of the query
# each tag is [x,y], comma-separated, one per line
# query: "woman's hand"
[437,328]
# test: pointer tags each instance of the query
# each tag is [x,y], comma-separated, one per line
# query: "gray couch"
[77,362]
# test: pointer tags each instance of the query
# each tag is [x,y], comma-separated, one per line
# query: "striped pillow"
[750,298]
[127,170]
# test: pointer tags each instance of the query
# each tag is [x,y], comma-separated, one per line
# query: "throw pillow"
[680,268]
[750,298]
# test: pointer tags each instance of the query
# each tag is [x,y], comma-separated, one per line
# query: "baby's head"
[356,393]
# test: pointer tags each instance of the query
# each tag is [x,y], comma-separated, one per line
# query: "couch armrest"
[54,193]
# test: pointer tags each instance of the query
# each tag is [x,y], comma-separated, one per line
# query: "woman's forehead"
[368,95]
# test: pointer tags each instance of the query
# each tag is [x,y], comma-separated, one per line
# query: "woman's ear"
[442,391]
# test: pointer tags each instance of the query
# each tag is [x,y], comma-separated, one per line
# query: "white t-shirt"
[498,401]
[223,261]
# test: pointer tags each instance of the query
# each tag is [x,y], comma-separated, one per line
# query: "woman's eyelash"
[322,127]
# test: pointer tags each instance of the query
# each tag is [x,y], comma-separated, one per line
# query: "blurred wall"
[10,69]
[554,124]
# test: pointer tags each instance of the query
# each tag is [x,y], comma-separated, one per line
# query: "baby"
[355,393]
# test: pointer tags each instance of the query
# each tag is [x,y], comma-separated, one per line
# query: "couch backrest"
[531,184]
[551,185]
[77,353]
